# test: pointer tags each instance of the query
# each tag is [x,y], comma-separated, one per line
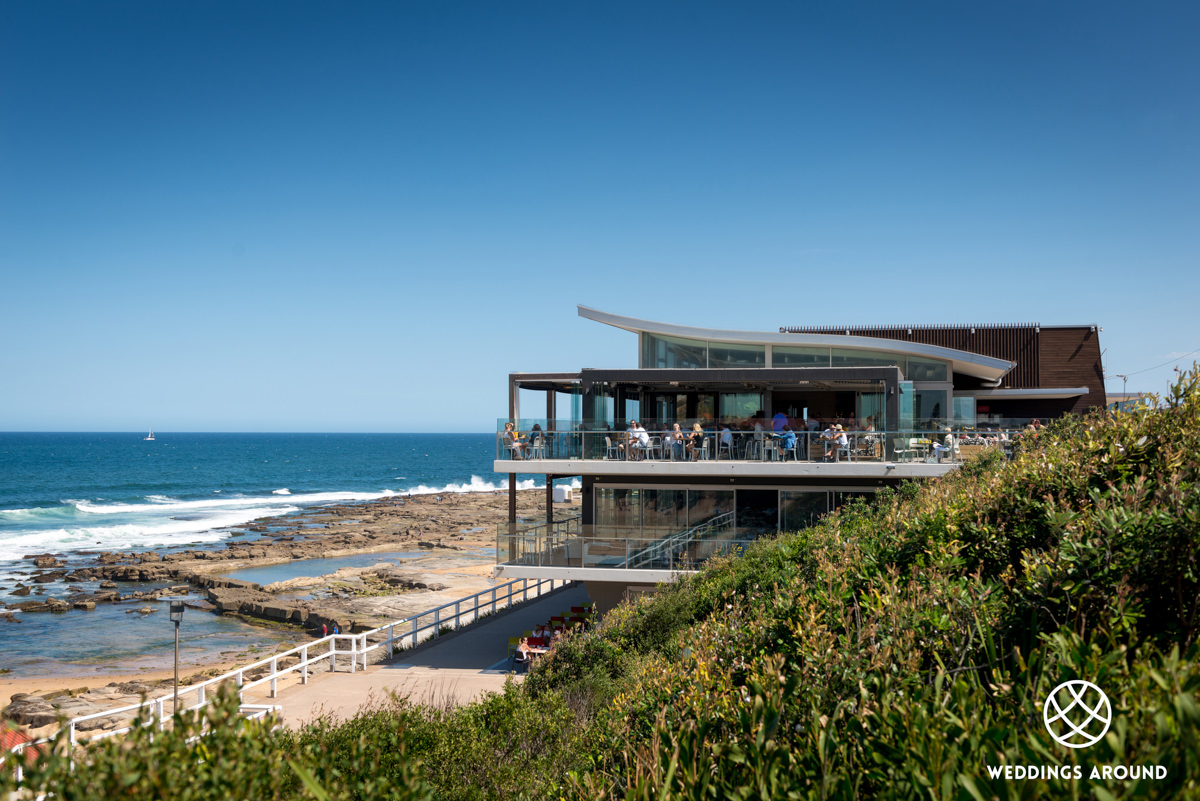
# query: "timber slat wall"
[1016,342]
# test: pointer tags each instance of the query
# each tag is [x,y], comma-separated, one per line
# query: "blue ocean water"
[69,494]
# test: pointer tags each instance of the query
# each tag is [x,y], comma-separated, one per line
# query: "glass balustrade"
[933,439]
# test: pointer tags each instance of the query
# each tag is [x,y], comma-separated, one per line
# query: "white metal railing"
[357,647]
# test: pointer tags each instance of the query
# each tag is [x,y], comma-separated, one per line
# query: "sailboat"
[150,436]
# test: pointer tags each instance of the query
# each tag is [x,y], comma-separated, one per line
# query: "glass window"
[721,354]
[905,423]
[660,351]
[736,405]
[664,512]
[618,512]
[929,405]
[801,509]
[926,370]
[964,412]
[872,405]
[795,356]
[852,357]
[705,505]
[757,513]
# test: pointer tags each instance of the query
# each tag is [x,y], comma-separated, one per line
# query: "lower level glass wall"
[652,513]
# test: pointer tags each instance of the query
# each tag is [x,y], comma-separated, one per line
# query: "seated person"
[639,441]
[836,439]
[940,449]
[695,441]
[675,440]
[726,440]
[512,440]
[785,440]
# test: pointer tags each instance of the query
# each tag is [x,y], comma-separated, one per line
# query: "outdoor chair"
[537,448]
[611,451]
[654,449]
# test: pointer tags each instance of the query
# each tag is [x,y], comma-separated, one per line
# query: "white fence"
[354,649]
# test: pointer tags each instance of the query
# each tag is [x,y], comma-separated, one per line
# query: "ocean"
[69,494]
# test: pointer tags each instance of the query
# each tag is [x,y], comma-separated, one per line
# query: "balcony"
[720,449]
[568,549]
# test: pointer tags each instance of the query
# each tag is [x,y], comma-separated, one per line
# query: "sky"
[361,217]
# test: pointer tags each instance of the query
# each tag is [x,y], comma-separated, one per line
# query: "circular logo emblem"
[1077,713]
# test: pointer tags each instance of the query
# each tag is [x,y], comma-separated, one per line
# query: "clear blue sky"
[296,216]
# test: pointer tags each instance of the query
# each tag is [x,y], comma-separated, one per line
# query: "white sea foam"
[164,521]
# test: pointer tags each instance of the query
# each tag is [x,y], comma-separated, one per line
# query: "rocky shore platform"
[434,550]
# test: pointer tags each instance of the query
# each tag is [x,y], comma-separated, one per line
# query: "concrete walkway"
[453,669]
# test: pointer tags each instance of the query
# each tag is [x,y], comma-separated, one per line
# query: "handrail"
[651,552]
[351,645]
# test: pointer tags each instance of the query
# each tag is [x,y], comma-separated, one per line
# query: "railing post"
[493,600]
[414,631]
[457,612]
[437,623]
[200,695]
[274,676]
[332,654]
[353,654]
[158,713]
[364,650]
[391,636]
[304,665]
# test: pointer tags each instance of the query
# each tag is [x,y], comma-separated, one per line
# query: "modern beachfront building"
[779,428]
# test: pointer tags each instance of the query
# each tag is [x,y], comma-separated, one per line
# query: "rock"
[86,606]
[53,575]
[108,585]
[20,590]
[32,606]
[47,561]
[106,724]
[57,605]
[31,710]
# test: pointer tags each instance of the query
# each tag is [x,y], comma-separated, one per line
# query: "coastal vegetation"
[900,649]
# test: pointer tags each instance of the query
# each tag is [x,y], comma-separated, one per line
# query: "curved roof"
[961,361]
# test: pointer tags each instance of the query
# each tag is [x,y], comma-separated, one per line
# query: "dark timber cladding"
[1045,356]
[1017,342]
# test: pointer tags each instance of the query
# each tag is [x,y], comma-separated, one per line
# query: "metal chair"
[611,451]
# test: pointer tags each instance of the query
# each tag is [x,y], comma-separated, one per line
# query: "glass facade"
[731,355]
[659,351]
[800,509]
[920,369]
[735,405]
[791,356]
[929,404]
[648,514]
[850,357]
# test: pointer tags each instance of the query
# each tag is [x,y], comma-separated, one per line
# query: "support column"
[549,501]
[512,498]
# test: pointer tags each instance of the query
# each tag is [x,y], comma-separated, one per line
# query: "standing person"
[779,422]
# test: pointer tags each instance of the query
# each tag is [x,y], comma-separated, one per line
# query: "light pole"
[176,618]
